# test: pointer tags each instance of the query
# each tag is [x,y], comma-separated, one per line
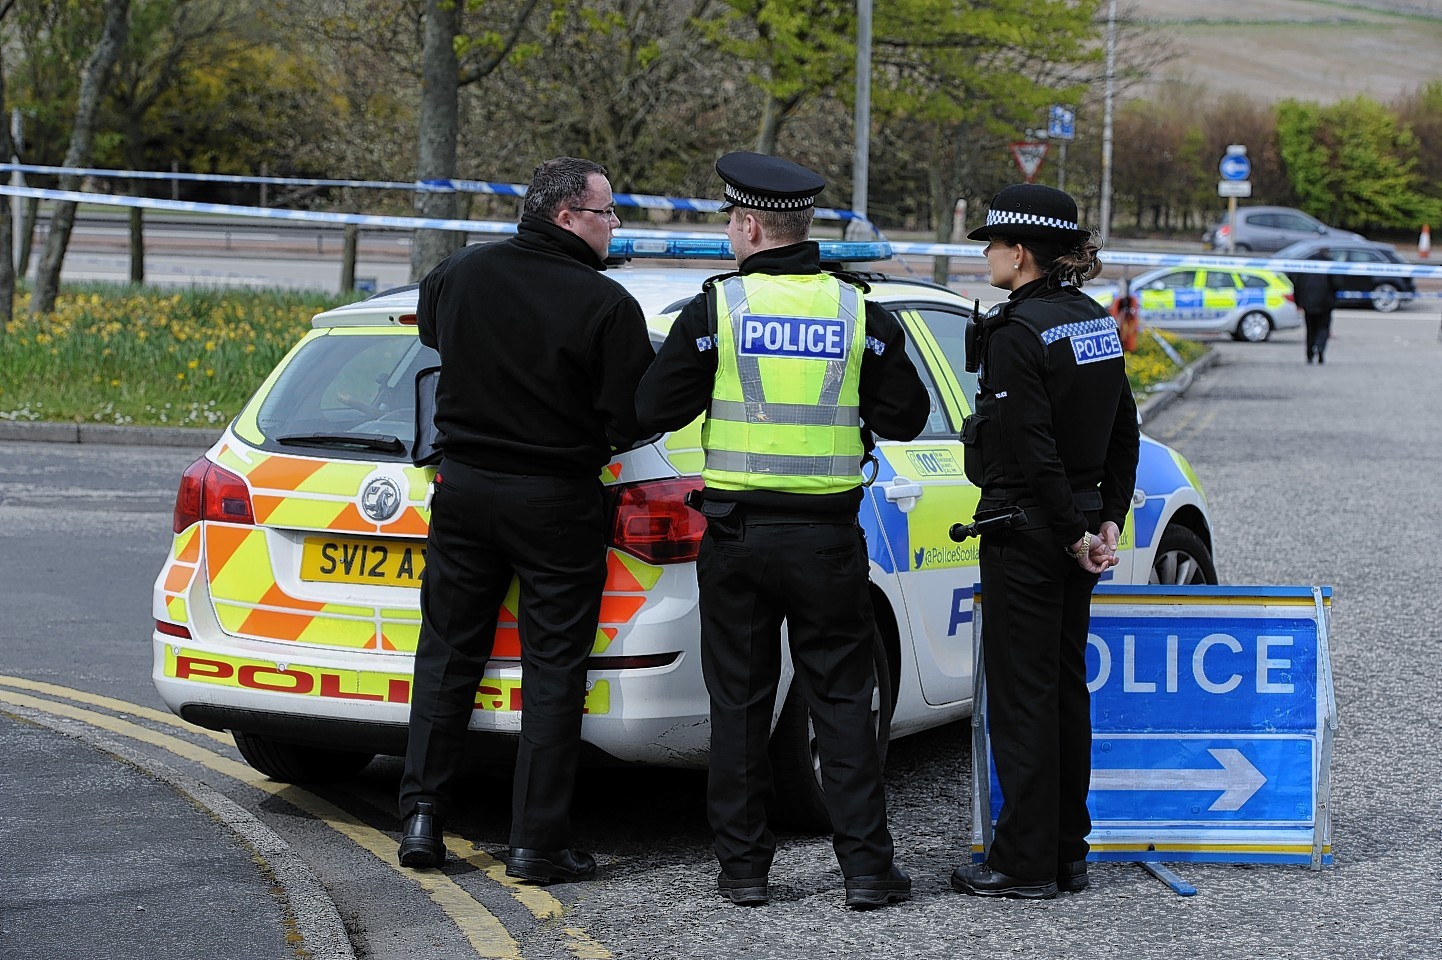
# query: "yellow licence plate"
[386,563]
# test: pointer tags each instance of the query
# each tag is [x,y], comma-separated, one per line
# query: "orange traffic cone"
[1424,242]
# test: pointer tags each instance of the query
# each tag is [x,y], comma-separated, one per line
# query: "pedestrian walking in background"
[540,357]
[791,367]
[1053,445]
[1315,293]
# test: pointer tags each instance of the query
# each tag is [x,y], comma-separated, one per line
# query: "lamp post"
[1106,211]
[862,148]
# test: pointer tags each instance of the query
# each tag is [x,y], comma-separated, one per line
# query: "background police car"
[287,613]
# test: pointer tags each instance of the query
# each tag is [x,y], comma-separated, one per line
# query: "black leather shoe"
[550,866]
[1072,877]
[980,880]
[421,844]
[868,893]
[744,892]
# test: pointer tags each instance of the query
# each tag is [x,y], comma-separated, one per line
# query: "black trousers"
[1319,328]
[486,528]
[754,574]
[1036,609]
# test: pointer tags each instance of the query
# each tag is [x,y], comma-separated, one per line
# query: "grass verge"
[191,358]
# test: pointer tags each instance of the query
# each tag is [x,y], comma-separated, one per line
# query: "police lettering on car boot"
[1053,445]
[790,365]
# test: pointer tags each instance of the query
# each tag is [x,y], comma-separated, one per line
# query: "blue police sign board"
[1061,123]
[1212,720]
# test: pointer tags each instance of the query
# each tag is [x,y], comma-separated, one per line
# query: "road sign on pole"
[1234,164]
[1061,123]
[1212,720]
[1029,155]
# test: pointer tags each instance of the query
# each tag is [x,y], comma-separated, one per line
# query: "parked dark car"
[1264,229]
[1384,293]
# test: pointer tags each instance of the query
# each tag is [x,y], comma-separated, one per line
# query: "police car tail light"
[211,492]
[172,629]
[651,521]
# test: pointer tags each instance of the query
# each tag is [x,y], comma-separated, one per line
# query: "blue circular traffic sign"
[1235,166]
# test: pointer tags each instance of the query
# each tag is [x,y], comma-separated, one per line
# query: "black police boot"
[1072,877]
[421,843]
[980,880]
[550,866]
[868,893]
[744,891]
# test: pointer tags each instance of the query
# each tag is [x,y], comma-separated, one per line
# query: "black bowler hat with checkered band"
[762,182]
[1030,211]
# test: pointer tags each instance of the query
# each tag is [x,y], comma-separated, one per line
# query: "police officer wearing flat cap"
[1055,437]
[791,366]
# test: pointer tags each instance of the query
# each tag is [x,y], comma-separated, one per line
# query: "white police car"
[287,607]
[1244,302]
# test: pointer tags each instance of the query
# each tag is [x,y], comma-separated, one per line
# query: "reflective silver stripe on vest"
[799,413]
[732,461]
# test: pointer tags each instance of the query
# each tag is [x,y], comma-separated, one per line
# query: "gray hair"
[558,182]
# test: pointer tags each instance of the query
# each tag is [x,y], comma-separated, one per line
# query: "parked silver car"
[1266,229]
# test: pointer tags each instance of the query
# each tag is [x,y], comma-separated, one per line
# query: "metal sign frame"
[1227,837]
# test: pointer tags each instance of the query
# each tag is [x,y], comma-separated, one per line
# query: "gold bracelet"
[1084,549]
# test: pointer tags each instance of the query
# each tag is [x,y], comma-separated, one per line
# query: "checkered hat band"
[997,218]
[744,199]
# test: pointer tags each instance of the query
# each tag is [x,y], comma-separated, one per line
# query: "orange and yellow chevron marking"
[626,574]
[611,473]
[308,493]
[186,547]
[184,565]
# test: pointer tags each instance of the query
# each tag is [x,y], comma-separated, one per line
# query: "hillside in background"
[1318,50]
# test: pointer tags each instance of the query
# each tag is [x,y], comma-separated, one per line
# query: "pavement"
[177,855]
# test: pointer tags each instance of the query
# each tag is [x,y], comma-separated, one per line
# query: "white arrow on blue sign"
[1235,166]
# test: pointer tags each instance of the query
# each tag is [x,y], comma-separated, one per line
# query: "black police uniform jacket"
[1055,428]
[894,402]
[540,354]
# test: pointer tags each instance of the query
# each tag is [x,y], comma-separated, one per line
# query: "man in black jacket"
[1314,294]
[540,357]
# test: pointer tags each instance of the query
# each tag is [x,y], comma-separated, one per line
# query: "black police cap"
[763,182]
[1031,211]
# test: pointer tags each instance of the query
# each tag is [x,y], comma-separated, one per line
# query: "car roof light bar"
[719,248]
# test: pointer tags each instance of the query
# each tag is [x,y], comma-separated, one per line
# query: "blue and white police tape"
[627,243]
[642,200]
[1139,259]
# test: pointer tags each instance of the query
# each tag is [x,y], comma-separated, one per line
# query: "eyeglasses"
[604,211]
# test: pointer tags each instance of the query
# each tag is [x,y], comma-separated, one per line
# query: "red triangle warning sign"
[1029,155]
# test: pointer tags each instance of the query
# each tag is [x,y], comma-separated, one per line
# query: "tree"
[798,49]
[1353,164]
[62,219]
[452,58]
[7,242]
[967,79]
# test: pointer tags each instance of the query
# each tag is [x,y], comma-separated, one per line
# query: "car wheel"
[1386,298]
[296,763]
[1182,559]
[1254,327]
[798,799]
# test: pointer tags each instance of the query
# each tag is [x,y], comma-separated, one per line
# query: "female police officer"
[1054,434]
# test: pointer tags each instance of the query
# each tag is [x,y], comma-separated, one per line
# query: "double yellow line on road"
[481,928]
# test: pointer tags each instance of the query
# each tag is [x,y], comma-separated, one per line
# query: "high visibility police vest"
[785,408]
